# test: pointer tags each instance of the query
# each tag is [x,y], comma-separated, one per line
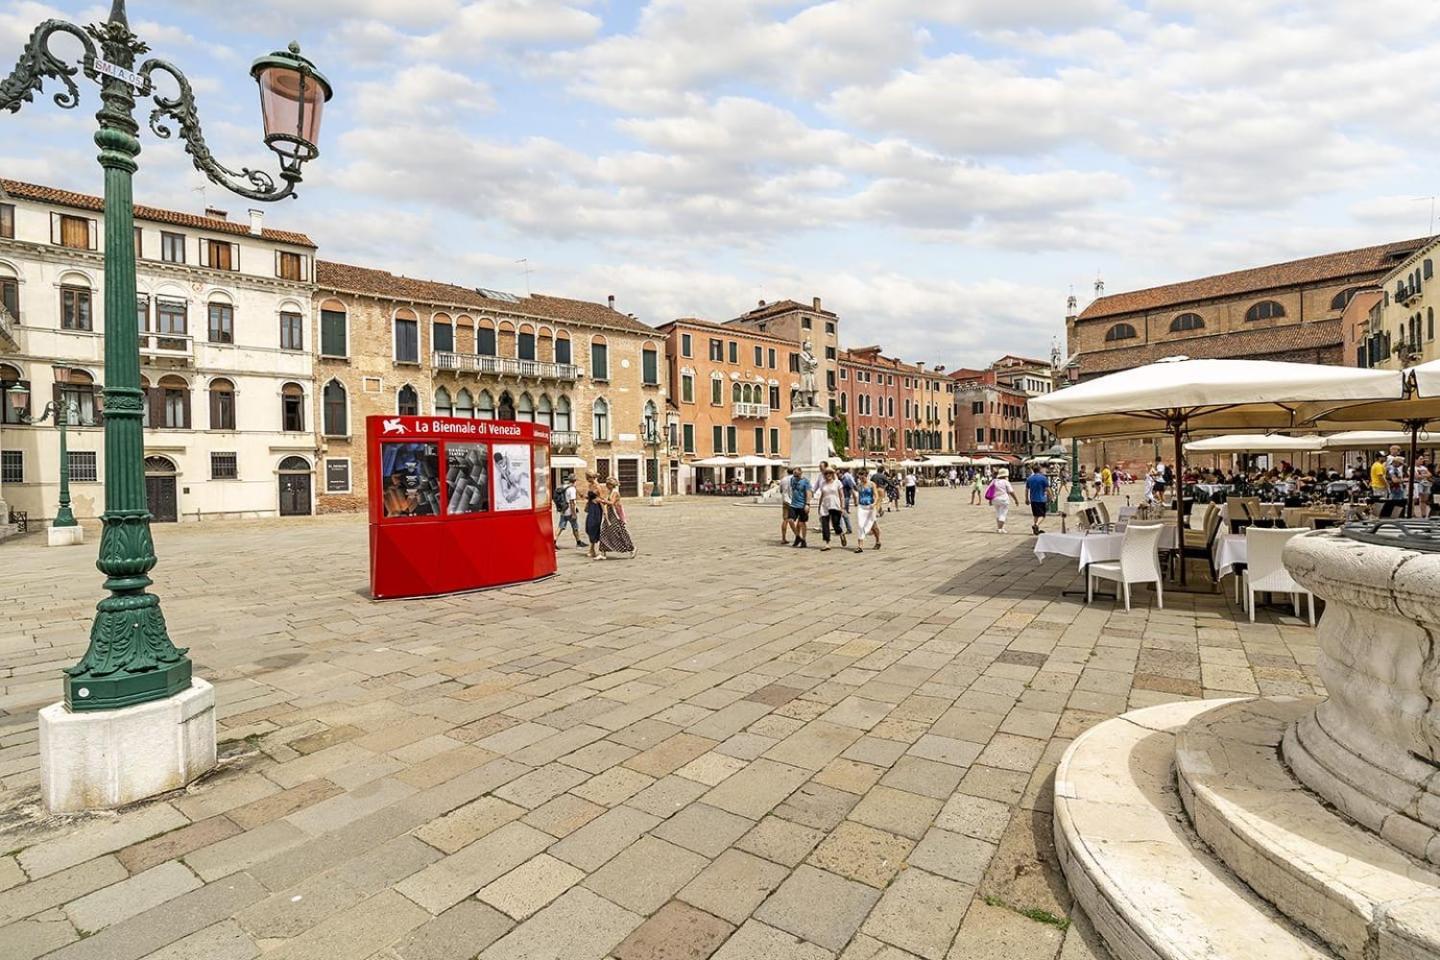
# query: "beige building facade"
[1399,328]
[396,345]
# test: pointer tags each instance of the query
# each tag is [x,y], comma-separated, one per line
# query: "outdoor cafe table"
[1090,548]
[1231,550]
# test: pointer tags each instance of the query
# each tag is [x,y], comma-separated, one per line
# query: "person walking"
[1037,492]
[910,484]
[799,505]
[977,488]
[866,518]
[1107,480]
[1423,481]
[1001,494]
[828,497]
[614,535]
[847,494]
[785,514]
[954,477]
[594,513]
[569,515]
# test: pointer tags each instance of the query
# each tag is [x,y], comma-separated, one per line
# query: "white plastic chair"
[1264,571]
[1139,563]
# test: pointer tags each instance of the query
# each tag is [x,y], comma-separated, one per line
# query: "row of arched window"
[924,440]
[1263,310]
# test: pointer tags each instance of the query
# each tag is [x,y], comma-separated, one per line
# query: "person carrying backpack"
[564,500]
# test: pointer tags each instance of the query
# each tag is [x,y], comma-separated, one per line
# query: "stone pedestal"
[65,536]
[809,438]
[1373,748]
[108,758]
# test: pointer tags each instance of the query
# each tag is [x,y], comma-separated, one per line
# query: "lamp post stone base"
[100,759]
[809,438]
[65,536]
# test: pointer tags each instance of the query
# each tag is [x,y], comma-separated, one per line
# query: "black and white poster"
[467,486]
[512,476]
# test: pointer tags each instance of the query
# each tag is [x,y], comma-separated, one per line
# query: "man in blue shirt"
[799,504]
[1037,491]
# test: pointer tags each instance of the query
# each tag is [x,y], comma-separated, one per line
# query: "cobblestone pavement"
[721,748]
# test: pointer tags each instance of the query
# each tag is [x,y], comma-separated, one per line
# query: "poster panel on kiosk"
[457,504]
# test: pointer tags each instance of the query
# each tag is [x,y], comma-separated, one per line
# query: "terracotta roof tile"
[382,283]
[776,309]
[727,328]
[1366,263]
[1255,344]
[82,201]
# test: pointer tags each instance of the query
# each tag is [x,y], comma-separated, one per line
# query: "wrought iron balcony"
[504,366]
[760,410]
[564,441]
[178,347]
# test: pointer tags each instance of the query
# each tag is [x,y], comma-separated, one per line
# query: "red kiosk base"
[457,505]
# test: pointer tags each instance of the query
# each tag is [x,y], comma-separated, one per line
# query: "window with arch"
[1342,299]
[844,406]
[1120,331]
[292,330]
[1265,310]
[562,414]
[407,337]
[737,393]
[169,402]
[1187,321]
[525,410]
[485,406]
[335,409]
[1429,269]
[525,345]
[221,316]
[11,410]
[334,330]
[562,348]
[407,402]
[464,404]
[10,292]
[292,408]
[599,359]
[600,420]
[442,334]
[545,411]
[443,406]
[1429,323]
[464,335]
[506,409]
[505,332]
[485,338]
[222,404]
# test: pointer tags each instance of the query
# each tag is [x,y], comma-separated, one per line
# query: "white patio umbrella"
[990,462]
[1178,394]
[718,462]
[1376,439]
[1256,443]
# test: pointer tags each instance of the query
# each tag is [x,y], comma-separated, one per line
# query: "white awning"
[569,463]
[1256,443]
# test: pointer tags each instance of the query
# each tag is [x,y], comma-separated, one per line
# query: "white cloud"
[421,92]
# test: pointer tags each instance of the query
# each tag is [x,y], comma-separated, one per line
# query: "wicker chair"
[1201,542]
[1139,563]
[1266,573]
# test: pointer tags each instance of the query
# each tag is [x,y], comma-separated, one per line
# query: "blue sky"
[941,172]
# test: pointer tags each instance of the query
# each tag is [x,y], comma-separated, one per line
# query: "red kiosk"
[457,504]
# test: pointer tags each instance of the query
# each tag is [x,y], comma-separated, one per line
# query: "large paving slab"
[723,747]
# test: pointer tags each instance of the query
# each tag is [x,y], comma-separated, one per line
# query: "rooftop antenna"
[1432,212]
[1099,285]
[204,200]
[527,271]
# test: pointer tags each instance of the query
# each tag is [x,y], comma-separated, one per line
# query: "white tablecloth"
[1230,551]
[1090,548]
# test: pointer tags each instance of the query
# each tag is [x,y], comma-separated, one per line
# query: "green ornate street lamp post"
[60,408]
[131,659]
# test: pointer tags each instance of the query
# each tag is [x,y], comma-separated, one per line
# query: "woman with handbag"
[867,521]
[1000,494]
[614,535]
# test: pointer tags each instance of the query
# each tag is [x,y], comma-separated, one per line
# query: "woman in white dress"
[867,505]
[1004,496]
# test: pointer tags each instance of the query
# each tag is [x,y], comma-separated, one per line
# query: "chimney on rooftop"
[216,213]
[611,301]
[760,304]
[815,303]
[257,220]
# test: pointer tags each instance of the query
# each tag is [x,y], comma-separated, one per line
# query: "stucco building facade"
[223,309]
[396,345]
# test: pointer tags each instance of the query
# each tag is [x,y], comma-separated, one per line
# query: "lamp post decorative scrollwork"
[131,659]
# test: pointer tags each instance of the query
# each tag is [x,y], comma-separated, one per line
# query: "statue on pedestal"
[804,396]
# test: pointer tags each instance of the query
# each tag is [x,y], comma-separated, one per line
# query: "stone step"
[1148,885]
[1361,895]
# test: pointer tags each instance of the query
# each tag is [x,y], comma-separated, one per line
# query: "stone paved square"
[718,748]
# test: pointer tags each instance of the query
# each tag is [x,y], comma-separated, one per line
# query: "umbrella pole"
[1179,427]
[1410,483]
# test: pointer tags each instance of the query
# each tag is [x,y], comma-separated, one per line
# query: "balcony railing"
[167,346]
[505,366]
[564,441]
[761,410]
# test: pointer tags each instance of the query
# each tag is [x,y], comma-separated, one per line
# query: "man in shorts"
[799,505]
[785,518]
[1037,491]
